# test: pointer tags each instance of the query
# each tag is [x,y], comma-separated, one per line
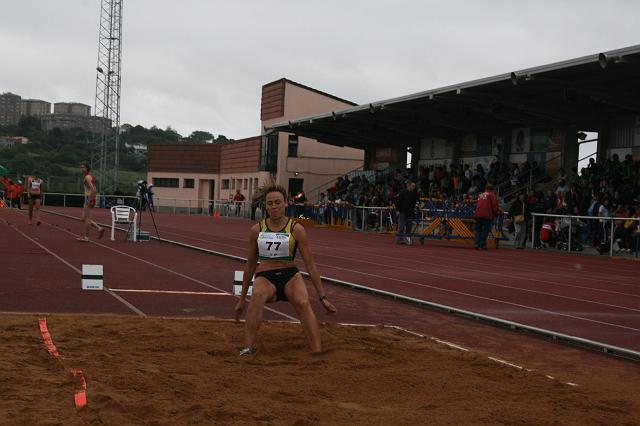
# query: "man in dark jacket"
[405,208]
[487,209]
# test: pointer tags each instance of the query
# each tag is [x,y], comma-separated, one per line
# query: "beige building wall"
[318,164]
[202,184]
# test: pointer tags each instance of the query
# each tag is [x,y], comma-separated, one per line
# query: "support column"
[570,148]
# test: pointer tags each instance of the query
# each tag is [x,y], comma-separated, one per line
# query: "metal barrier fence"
[572,233]
[226,208]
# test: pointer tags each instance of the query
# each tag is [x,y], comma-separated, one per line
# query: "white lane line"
[127,304]
[557,284]
[480,297]
[168,270]
[493,284]
[484,298]
[198,293]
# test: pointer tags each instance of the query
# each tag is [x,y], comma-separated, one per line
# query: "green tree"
[200,137]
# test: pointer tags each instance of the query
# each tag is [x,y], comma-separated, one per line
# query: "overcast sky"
[200,64]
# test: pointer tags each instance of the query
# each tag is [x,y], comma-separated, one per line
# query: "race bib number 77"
[273,245]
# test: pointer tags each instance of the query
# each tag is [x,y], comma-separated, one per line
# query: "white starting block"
[92,277]
[237,284]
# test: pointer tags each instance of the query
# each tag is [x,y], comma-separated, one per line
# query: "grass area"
[72,183]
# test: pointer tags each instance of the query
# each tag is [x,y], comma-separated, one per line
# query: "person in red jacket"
[487,209]
[11,193]
[19,192]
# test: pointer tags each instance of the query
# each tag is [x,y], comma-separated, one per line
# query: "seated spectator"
[548,235]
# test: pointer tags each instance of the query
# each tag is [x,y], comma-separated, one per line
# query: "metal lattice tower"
[107,103]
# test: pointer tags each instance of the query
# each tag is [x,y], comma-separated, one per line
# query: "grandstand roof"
[584,92]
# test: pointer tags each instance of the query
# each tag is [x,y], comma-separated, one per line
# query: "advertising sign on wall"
[520,140]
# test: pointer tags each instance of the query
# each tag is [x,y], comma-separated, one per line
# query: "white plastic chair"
[124,215]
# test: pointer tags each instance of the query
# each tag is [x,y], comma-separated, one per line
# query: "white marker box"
[237,284]
[92,277]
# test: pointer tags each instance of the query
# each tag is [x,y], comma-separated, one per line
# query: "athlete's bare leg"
[37,204]
[296,292]
[88,223]
[31,203]
[263,291]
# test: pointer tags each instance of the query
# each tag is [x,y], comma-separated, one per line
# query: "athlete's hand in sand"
[239,309]
[328,306]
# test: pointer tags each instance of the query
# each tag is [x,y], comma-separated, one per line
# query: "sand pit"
[184,371]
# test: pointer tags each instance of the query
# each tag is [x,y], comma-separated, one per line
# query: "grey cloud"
[199,65]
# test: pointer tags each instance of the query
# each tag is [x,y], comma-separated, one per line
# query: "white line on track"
[167,270]
[484,297]
[604,275]
[481,297]
[197,293]
[422,262]
[127,304]
[492,284]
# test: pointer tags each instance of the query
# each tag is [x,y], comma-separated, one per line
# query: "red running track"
[584,296]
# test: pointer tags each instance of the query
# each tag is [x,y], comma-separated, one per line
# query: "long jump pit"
[124,370]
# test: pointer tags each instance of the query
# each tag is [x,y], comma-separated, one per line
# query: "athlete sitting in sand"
[274,242]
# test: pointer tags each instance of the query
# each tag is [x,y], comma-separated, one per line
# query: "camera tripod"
[142,203]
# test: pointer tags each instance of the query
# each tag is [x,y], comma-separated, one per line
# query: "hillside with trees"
[56,154]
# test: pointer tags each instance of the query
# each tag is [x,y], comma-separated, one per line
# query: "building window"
[293,145]
[166,182]
[233,183]
[269,153]
[225,184]
[245,184]
[188,183]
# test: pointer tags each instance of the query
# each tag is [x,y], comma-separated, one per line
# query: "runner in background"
[35,186]
[89,187]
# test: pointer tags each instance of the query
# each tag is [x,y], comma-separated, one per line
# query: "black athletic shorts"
[279,278]
[35,196]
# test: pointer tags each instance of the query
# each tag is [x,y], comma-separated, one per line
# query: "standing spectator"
[539,207]
[4,186]
[519,213]
[19,192]
[603,212]
[150,197]
[11,194]
[487,209]
[257,200]
[405,208]
[238,198]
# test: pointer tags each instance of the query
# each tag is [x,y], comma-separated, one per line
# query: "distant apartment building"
[71,121]
[35,107]
[10,109]
[73,108]
[11,141]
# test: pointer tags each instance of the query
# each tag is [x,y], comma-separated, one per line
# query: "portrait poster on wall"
[540,139]
[557,140]
[520,140]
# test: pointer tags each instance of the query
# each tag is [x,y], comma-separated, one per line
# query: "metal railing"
[206,207]
[567,228]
